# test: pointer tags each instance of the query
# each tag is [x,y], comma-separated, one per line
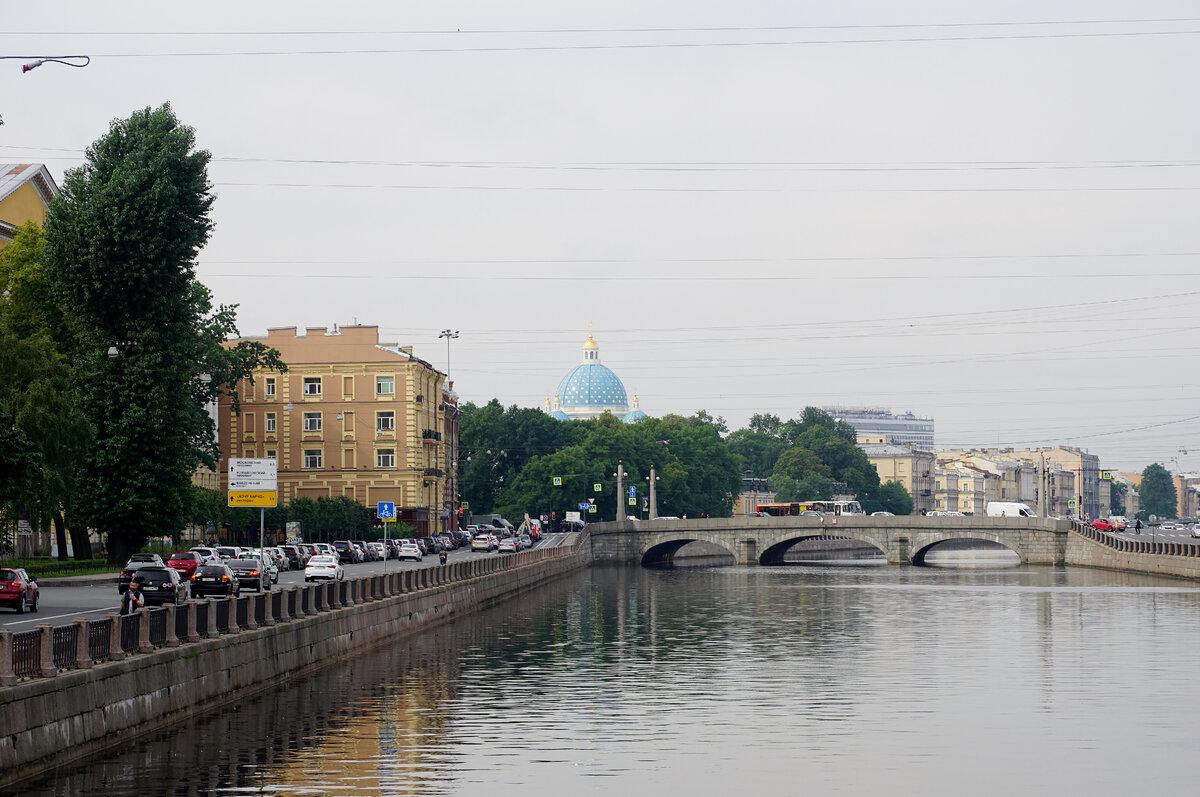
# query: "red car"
[18,590]
[1103,524]
[185,562]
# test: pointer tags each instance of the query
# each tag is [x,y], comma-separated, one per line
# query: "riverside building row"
[352,417]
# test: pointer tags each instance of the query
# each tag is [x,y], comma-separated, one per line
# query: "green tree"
[890,497]
[120,249]
[37,382]
[1157,494]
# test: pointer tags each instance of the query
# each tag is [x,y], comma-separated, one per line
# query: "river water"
[730,680]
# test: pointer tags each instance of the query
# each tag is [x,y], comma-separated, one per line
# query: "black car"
[129,573]
[249,572]
[162,585]
[344,552]
[215,580]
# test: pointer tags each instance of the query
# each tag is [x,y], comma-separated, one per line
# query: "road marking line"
[40,618]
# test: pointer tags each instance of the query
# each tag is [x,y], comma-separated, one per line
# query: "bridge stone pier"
[763,540]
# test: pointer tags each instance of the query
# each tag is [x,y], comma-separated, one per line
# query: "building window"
[385,458]
[312,421]
[385,386]
[385,422]
[271,454]
[270,421]
[312,457]
[312,385]
[270,384]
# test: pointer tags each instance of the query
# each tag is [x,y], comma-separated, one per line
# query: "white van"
[1009,509]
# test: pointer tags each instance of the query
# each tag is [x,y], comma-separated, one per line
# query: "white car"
[323,568]
[410,550]
[1196,530]
[484,542]
[381,552]
[208,555]
[509,545]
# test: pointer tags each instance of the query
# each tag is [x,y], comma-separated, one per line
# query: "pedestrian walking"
[1137,526]
[133,599]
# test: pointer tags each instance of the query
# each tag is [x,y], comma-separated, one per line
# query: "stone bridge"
[763,540]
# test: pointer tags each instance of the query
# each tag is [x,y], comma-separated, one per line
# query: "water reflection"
[767,680]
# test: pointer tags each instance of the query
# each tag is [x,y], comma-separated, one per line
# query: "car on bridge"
[1103,524]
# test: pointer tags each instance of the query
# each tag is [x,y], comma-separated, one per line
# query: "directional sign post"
[385,511]
[254,483]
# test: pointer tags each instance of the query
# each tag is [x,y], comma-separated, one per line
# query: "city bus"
[824,507]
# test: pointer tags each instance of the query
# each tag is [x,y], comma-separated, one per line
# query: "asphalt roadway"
[92,597]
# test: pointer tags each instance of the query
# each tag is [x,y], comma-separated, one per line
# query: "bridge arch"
[926,545]
[662,553]
[773,553]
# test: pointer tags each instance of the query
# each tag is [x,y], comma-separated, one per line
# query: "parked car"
[379,549]
[294,556]
[266,563]
[18,589]
[162,585]
[215,580]
[185,562]
[346,552]
[368,553]
[250,573]
[323,568]
[146,558]
[410,550]
[882,514]
[1103,524]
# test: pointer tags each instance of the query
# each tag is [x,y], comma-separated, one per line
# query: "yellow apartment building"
[352,417]
[910,467]
[25,193]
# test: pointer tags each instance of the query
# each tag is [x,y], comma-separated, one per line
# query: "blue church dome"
[559,415]
[634,416]
[592,385]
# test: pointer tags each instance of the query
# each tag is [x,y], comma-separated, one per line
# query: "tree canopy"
[120,246]
[1156,493]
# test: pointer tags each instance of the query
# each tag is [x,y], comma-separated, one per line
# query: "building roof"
[15,175]
[885,450]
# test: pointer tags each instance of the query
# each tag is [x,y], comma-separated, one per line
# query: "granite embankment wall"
[48,722]
[1090,548]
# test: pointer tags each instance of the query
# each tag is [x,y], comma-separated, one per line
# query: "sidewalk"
[77,581]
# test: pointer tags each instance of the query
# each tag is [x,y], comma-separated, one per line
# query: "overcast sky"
[983,212]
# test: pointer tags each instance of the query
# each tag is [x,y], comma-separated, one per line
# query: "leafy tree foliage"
[821,449]
[891,497]
[1157,494]
[37,389]
[121,241]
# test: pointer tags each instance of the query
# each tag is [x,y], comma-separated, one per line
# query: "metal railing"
[48,650]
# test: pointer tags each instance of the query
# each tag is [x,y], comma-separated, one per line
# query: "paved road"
[61,604]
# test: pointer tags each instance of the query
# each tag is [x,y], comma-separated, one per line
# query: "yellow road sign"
[260,498]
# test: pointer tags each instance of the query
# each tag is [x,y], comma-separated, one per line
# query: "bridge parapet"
[901,539]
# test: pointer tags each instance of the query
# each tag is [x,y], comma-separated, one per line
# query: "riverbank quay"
[74,691]
[1087,547]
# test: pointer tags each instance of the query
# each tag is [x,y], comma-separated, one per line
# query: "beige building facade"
[351,417]
[908,466]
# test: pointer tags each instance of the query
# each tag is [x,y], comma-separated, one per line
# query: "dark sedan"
[249,573]
[215,580]
[18,590]
[130,572]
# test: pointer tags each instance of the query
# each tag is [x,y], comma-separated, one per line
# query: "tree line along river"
[716,680]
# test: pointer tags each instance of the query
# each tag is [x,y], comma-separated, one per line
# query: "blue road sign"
[386,510]
[583,506]
[632,491]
